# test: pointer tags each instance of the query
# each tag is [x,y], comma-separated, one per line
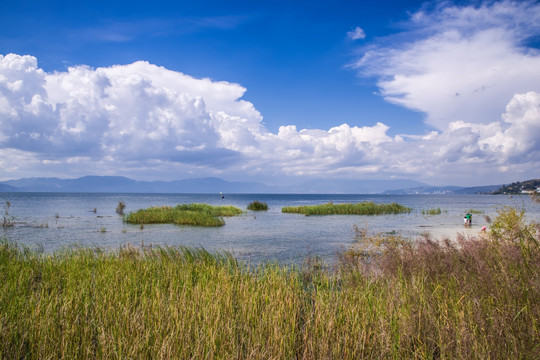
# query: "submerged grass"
[436,211]
[184,214]
[363,208]
[474,298]
[475,211]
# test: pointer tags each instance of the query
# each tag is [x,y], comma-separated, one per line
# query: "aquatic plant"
[120,207]
[436,211]
[7,219]
[222,210]
[184,214]
[475,211]
[363,208]
[257,206]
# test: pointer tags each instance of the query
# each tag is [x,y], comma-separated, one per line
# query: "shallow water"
[57,220]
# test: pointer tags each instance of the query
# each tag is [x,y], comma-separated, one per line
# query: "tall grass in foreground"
[184,214]
[475,299]
[363,208]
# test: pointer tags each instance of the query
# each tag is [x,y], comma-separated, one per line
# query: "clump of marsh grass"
[7,219]
[120,208]
[364,208]
[475,211]
[436,211]
[257,206]
[184,214]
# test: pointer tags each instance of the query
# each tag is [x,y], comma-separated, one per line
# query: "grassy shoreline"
[386,298]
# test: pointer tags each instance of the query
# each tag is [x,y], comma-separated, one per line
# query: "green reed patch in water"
[257,206]
[363,208]
[475,211]
[436,211]
[184,214]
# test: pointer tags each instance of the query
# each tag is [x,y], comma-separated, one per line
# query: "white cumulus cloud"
[459,63]
[142,116]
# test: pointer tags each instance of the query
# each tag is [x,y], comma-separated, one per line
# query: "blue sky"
[440,92]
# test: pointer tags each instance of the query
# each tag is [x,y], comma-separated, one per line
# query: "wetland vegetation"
[436,211]
[257,206]
[385,297]
[184,214]
[363,208]
[475,211]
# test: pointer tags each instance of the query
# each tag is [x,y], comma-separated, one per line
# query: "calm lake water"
[58,220]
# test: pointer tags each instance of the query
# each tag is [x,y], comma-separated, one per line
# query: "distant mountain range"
[119,184]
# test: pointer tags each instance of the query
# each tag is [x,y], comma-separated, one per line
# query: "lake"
[58,220]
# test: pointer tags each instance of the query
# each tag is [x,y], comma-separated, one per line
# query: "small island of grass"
[363,208]
[185,214]
[257,206]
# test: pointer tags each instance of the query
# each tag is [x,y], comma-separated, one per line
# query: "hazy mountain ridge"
[125,185]
[197,185]
[355,186]
[120,184]
[7,188]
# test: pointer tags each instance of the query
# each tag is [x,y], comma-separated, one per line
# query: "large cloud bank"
[459,63]
[141,117]
[478,85]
